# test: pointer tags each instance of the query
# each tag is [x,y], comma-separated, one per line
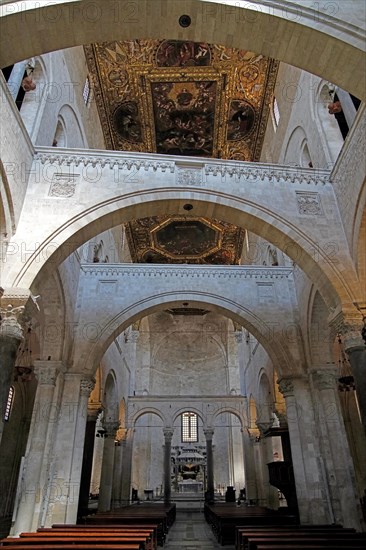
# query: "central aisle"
[191,532]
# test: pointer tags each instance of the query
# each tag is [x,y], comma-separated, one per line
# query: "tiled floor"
[191,532]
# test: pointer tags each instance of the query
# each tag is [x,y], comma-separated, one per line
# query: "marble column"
[168,435]
[11,335]
[16,77]
[311,489]
[127,447]
[338,462]
[210,493]
[355,347]
[40,443]
[86,471]
[249,465]
[106,478]
[61,501]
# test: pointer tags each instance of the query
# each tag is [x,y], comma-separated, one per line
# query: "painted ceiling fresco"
[182,98]
[182,239]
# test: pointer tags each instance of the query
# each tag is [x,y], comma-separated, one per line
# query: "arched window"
[275,113]
[9,404]
[86,91]
[189,427]
[60,135]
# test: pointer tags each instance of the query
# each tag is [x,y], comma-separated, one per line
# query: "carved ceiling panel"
[181,97]
[182,240]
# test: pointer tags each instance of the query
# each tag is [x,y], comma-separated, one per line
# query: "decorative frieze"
[217,272]
[280,174]
[63,185]
[309,203]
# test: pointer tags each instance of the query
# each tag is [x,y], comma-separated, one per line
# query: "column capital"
[351,326]
[325,379]
[11,319]
[86,386]
[47,371]
[209,433]
[168,434]
[286,386]
[111,428]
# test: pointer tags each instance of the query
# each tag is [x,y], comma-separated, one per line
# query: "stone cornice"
[191,167]
[217,272]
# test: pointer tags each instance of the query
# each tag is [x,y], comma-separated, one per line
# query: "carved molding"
[195,271]
[47,373]
[63,185]
[325,380]
[209,433]
[187,175]
[111,428]
[168,434]
[350,327]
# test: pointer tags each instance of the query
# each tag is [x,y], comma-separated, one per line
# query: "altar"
[190,486]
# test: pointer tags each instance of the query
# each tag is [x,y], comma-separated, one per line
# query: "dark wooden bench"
[310,540]
[138,542]
[151,529]
[71,546]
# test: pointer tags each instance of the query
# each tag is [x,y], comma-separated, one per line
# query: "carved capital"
[209,433]
[47,371]
[325,380]
[351,327]
[168,434]
[286,386]
[111,428]
[10,326]
[87,386]
[238,336]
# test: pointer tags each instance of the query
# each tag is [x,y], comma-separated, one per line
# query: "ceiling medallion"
[179,97]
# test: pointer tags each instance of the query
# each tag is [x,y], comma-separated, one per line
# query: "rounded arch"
[230,410]
[260,220]
[133,418]
[74,133]
[182,410]
[65,24]
[34,102]
[265,398]
[294,147]
[110,398]
[320,336]
[273,342]
[6,206]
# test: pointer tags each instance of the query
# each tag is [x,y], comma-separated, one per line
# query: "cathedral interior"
[183,258]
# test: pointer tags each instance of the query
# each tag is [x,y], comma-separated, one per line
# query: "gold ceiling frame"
[155,246]
[141,78]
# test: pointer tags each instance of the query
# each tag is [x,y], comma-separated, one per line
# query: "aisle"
[191,532]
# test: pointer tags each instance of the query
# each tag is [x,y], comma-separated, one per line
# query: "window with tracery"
[189,427]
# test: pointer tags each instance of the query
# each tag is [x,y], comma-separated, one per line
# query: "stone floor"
[191,532]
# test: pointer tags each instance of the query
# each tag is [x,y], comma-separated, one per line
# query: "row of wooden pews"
[131,528]
[225,517]
[314,537]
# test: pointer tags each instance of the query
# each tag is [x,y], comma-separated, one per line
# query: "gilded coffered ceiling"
[181,97]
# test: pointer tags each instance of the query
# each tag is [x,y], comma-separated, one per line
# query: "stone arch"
[259,220]
[6,206]
[182,410]
[266,29]
[320,338]
[253,412]
[34,102]
[265,398]
[361,248]
[133,418]
[60,139]
[275,347]
[294,147]
[74,133]
[230,410]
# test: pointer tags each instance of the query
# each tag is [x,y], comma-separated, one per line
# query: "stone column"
[127,446]
[16,77]
[36,463]
[311,490]
[61,501]
[338,462]
[86,471]
[106,478]
[210,493]
[249,465]
[355,347]
[117,468]
[11,335]
[168,435]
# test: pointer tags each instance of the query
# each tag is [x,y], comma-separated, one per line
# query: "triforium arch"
[134,417]
[65,24]
[258,219]
[274,343]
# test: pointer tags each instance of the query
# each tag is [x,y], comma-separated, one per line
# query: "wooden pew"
[243,533]
[310,540]
[150,528]
[75,541]
[71,546]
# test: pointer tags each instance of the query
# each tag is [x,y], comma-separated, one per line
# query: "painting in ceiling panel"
[181,97]
[182,239]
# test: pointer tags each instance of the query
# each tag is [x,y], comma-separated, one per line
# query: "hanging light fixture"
[24,360]
[346,381]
